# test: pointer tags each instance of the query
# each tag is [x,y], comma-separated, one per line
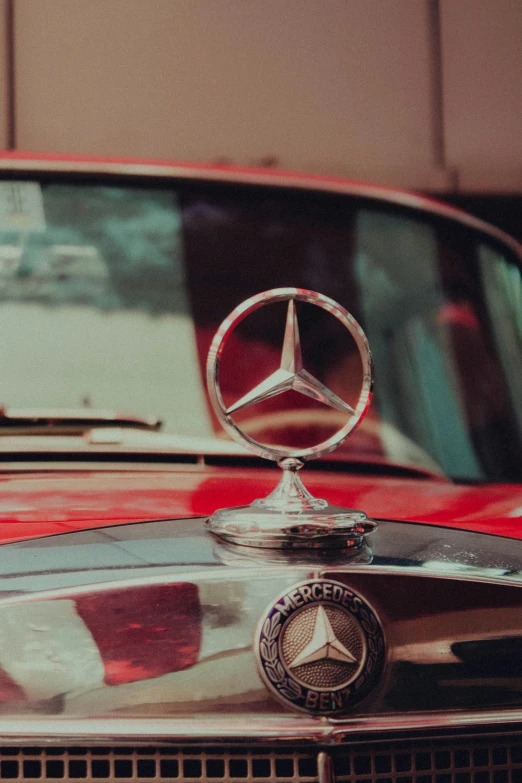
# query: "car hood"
[45,503]
[143,629]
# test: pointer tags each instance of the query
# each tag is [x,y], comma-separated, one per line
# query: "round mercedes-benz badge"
[320,647]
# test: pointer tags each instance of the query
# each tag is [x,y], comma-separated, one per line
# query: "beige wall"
[323,85]
[341,87]
[482,66]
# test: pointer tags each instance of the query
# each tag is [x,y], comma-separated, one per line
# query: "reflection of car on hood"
[218,560]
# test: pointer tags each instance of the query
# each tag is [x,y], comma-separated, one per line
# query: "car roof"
[25,162]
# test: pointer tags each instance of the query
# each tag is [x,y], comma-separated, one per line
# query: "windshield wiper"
[68,421]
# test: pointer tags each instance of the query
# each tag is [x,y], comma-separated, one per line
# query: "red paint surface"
[320,179]
[42,504]
[33,505]
[144,631]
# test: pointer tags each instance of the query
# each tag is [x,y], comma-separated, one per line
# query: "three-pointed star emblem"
[323,644]
[291,375]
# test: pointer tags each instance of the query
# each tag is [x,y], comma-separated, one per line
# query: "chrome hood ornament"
[290,516]
[291,375]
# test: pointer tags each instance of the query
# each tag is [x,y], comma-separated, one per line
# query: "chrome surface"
[443,760]
[226,730]
[291,494]
[290,516]
[174,546]
[158,763]
[325,770]
[69,420]
[291,374]
[320,647]
[161,629]
[474,759]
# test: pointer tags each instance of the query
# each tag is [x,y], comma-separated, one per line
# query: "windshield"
[110,294]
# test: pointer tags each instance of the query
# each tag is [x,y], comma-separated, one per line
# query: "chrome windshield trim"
[218,730]
[281,179]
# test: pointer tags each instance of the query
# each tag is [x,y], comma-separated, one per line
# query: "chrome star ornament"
[291,375]
[320,647]
[290,516]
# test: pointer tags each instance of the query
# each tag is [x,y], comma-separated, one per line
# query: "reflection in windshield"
[110,296]
[93,306]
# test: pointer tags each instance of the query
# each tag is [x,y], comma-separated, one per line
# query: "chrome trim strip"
[473,575]
[303,571]
[163,578]
[121,730]
[216,730]
[260,177]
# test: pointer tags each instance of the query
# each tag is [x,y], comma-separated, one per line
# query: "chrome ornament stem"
[290,495]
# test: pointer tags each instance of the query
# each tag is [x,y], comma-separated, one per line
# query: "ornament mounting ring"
[291,373]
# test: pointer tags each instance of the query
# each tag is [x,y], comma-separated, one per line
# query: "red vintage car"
[358,620]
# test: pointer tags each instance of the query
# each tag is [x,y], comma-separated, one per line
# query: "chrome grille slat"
[140,765]
[464,761]
[479,760]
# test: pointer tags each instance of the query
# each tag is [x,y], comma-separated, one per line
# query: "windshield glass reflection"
[110,296]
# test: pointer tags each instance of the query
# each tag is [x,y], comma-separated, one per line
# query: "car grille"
[494,760]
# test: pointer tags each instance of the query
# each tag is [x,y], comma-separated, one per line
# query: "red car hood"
[38,504]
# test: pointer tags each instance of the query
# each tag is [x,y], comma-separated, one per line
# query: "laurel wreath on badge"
[273,666]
